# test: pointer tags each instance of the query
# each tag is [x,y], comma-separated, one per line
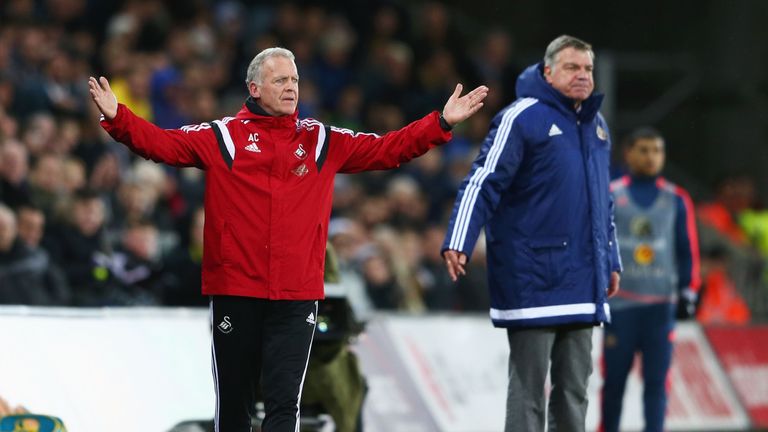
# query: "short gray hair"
[562,42]
[254,69]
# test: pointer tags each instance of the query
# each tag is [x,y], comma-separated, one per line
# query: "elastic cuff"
[444,124]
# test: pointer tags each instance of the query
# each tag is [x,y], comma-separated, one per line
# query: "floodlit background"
[695,70]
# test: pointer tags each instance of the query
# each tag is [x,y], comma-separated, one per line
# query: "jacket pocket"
[551,262]
[315,257]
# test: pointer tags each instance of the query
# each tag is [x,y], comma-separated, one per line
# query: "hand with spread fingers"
[459,108]
[103,96]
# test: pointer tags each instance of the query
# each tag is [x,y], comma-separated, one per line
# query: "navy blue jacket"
[540,186]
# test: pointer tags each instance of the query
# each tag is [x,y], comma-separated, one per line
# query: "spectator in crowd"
[434,181]
[46,186]
[39,133]
[134,89]
[438,291]
[496,63]
[754,223]
[720,302]
[472,289]
[552,256]
[26,276]
[381,284]
[735,275]
[79,246]
[733,196]
[659,249]
[73,178]
[14,169]
[31,225]
[245,285]
[135,267]
[184,265]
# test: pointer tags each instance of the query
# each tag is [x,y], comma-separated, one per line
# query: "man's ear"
[253,90]
[548,74]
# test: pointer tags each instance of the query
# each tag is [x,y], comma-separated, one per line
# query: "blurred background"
[102,227]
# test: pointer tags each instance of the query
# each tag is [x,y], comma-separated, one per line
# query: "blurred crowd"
[84,222]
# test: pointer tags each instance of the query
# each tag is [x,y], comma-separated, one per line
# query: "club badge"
[601,133]
[300,153]
[301,170]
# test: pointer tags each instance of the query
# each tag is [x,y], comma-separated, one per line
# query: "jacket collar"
[531,83]
[252,111]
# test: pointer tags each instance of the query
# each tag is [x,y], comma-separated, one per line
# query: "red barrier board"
[743,352]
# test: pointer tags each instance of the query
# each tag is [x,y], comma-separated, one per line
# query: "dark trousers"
[647,330]
[260,343]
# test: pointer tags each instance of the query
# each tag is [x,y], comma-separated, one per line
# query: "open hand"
[455,262]
[458,109]
[103,97]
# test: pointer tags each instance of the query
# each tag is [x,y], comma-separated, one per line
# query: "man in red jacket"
[268,196]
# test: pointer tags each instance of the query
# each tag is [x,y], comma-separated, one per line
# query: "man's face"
[278,92]
[571,74]
[646,157]
[141,241]
[31,225]
[89,216]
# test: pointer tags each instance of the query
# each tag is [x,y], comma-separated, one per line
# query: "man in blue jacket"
[540,188]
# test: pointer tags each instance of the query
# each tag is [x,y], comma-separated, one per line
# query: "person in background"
[659,248]
[269,180]
[26,276]
[31,225]
[14,173]
[184,264]
[540,188]
[135,267]
[81,250]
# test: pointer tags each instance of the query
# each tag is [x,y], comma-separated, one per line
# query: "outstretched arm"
[103,97]
[190,146]
[357,152]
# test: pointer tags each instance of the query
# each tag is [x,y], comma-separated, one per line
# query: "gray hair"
[562,42]
[254,69]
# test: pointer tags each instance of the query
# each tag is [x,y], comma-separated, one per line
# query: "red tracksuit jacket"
[269,187]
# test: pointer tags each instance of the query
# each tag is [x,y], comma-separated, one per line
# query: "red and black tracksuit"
[269,185]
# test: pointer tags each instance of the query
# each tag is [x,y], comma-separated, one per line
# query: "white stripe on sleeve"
[468,200]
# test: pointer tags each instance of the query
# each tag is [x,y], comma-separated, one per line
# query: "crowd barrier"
[149,368]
